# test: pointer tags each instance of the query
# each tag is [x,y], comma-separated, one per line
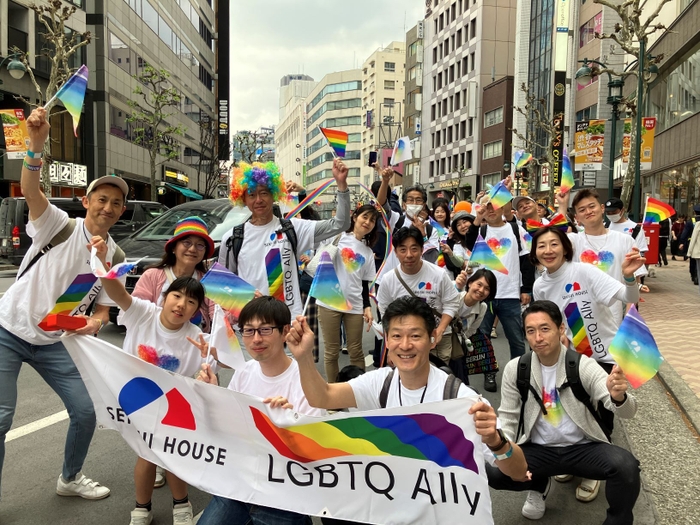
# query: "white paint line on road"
[36,425]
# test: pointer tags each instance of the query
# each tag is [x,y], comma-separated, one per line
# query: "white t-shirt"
[583,294]
[353,263]
[430,284]
[250,380]
[556,429]
[627,227]
[60,282]
[504,244]
[147,338]
[267,249]
[367,388]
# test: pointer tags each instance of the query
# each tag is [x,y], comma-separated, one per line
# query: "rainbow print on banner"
[72,95]
[567,176]
[275,281]
[326,288]
[483,255]
[337,140]
[657,211]
[575,322]
[424,437]
[227,289]
[499,196]
[634,349]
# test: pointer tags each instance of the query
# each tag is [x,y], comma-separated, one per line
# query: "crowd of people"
[430,301]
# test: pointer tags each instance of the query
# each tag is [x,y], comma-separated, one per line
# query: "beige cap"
[109,179]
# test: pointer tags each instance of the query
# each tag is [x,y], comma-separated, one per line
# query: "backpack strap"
[288,229]
[399,223]
[233,246]
[525,387]
[573,381]
[384,393]
[451,387]
[57,239]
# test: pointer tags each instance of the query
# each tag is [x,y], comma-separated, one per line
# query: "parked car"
[14,215]
[149,241]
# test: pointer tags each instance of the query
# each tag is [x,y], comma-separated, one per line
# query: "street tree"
[209,164]
[60,45]
[249,146]
[158,102]
[636,25]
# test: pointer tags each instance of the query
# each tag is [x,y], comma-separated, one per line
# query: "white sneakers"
[182,514]
[141,517]
[160,478]
[81,486]
[535,503]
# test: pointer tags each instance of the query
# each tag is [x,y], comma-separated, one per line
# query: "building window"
[389,84]
[472,29]
[493,117]
[589,29]
[469,159]
[471,126]
[491,178]
[493,149]
[588,113]
[473,60]
[463,129]
[465,65]
[390,66]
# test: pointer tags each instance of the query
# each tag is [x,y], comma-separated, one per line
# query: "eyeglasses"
[200,247]
[411,200]
[263,331]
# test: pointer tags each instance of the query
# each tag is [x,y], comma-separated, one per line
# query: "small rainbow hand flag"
[119,270]
[402,151]
[567,176]
[337,140]
[72,94]
[634,349]
[482,255]
[440,260]
[439,229]
[224,339]
[657,211]
[326,288]
[521,158]
[499,195]
[226,289]
[558,221]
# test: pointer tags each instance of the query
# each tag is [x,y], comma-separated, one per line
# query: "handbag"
[480,357]
[330,249]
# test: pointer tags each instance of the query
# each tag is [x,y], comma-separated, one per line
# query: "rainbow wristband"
[31,167]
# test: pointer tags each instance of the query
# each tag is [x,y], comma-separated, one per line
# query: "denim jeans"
[509,313]
[224,511]
[55,366]
[601,461]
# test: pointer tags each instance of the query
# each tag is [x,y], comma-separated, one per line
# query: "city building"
[496,122]
[383,79]
[290,135]
[467,46]
[413,105]
[334,103]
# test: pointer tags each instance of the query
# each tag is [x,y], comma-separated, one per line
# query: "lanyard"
[422,397]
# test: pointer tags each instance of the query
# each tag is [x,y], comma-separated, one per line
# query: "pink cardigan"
[150,286]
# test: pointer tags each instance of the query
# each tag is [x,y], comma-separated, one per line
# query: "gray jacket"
[593,379]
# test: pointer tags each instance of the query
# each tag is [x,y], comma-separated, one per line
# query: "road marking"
[36,425]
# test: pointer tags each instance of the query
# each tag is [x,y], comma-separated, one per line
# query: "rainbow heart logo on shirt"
[573,286]
[427,286]
[603,259]
[165,361]
[499,246]
[351,260]
[528,241]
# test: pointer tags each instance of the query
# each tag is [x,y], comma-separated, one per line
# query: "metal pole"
[611,171]
[636,195]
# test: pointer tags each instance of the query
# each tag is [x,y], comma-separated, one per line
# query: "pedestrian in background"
[664,232]
[685,237]
[694,249]
[676,231]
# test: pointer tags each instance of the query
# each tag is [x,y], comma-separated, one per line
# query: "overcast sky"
[273,38]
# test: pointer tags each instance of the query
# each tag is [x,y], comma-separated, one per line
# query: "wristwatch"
[504,441]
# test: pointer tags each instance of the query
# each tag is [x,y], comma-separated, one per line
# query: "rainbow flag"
[227,289]
[402,151]
[425,437]
[309,199]
[558,221]
[72,297]
[72,94]
[275,280]
[499,195]
[440,230]
[453,202]
[567,176]
[657,211]
[440,260]
[224,339]
[325,286]
[635,350]
[551,210]
[521,158]
[121,269]
[578,330]
[337,140]
[483,255]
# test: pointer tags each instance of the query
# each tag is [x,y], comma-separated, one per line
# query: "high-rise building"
[496,122]
[334,103]
[468,45]
[290,134]
[383,79]
[413,102]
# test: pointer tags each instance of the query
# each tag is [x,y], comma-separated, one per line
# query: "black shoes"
[490,382]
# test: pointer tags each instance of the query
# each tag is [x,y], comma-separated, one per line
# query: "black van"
[14,215]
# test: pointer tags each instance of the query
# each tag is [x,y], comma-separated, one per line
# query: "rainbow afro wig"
[249,177]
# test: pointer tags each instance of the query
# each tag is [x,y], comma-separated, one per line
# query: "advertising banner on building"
[647,150]
[14,128]
[590,144]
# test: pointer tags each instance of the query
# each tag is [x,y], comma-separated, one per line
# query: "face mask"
[614,218]
[412,210]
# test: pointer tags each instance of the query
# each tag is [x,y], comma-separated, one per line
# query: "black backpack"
[450,392]
[573,381]
[516,232]
[235,242]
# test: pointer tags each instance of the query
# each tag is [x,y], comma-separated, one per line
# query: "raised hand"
[340,174]
[632,262]
[617,384]
[38,129]
[207,376]
[300,339]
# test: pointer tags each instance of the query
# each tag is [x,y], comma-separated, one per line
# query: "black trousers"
[663,244]
[617,466]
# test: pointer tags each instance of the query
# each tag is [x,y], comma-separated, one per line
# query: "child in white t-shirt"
[164,337]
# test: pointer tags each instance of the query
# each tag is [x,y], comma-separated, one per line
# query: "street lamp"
[15,67]
[584,76]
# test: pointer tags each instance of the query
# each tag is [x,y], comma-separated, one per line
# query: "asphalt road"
[34,457]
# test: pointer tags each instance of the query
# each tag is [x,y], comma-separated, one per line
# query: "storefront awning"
[185,191]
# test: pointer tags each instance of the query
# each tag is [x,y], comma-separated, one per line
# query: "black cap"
[614,204]
[696,209]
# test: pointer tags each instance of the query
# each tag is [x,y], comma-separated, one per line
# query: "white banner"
[420,464]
